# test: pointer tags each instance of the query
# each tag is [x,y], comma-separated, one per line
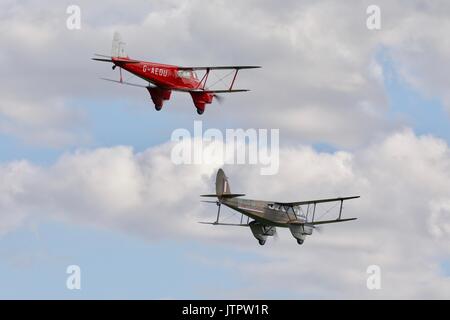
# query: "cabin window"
[184,74]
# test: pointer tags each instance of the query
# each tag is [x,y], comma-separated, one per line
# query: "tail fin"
[118,47]
[223,187]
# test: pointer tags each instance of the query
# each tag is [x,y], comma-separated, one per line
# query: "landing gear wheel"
[262,242]
[299,241]
[157,108]
[200,111]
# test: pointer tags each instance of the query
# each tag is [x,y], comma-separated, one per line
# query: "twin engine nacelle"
[158,96]
[200,99]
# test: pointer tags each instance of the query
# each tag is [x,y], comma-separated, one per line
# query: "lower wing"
[209,91]
[331,221]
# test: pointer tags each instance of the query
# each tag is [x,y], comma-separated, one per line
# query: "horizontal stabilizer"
[226,224]
[233,195]
[114,59]
[102,55]
[219,68]
[225,91]
[210,91]
[128,83]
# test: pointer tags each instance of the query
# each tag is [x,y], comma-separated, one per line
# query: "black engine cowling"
[261,231]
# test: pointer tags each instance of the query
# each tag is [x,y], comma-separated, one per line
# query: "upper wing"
[129,83]
[226,224]
[247,225]
[174,89]
[225,195]
[299,203]
[209,91]
[219,68]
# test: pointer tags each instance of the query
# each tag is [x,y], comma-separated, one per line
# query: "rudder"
[118,46]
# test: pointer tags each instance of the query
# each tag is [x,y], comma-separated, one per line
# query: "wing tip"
[102,59]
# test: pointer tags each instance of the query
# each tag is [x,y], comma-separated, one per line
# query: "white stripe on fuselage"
[249,209]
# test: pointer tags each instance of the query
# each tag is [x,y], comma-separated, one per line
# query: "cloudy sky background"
[85,170]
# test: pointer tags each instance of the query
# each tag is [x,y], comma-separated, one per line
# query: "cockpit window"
[184,74]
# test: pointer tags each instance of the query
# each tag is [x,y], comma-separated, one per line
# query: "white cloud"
[49,122]
[320,83]
[415,35]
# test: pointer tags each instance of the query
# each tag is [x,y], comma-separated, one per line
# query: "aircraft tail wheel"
[262,242]
[299,241]
[200,111]
[158,108]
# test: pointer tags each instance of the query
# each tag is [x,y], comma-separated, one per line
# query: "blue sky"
[115,265]
[423,114]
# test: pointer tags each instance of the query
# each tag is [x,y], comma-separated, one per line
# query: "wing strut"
[217,222]
[203,80]
[234,78]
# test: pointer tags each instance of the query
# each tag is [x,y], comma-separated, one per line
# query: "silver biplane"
[264,216]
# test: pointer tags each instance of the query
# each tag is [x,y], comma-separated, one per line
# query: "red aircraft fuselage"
[166,78]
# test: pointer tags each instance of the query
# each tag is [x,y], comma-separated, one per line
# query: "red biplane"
[163,79]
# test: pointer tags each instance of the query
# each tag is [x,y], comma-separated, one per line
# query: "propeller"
[275,235]
[219,98]
[218,211]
